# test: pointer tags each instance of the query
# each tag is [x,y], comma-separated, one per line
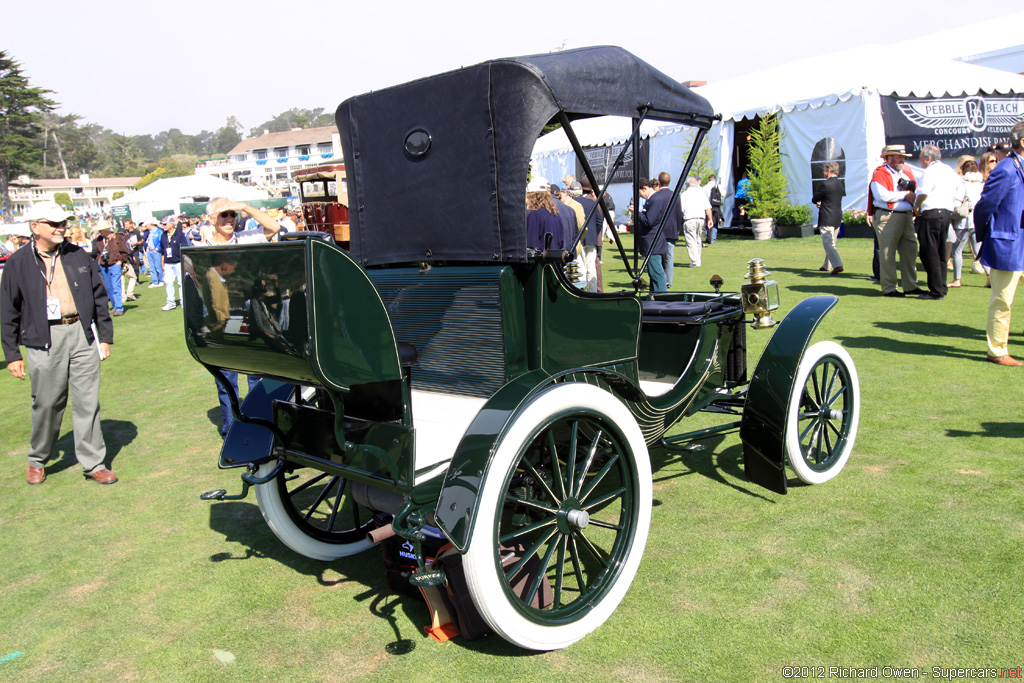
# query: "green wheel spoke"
[589,545]
[556,467]
[570,470]
[337,505]
[305,485]
[832,380]
[319,499]
[518,567]
[816,397]
[530,504]
[832,426]
[597,479]
[540,480]
[559,572]
[835,396]
[811,426]
[617,493]
[605,525]
[574,555]
[529,529]
[591,453]
[541,574]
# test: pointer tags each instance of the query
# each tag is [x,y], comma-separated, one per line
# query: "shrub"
[789,214]
[855,217]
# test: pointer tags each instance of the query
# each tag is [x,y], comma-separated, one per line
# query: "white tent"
[166,194]
[838,96]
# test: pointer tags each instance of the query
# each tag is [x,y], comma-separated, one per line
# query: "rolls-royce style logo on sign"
[963,114]
[963,124]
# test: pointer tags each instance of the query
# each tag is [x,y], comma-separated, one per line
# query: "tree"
[122,157]
[21,113]
[63,199]
[767,181]
[294,118]
[703,165]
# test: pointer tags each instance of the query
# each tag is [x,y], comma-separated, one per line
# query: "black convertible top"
[436,168]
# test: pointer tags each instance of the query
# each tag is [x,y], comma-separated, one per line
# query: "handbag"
[963,207]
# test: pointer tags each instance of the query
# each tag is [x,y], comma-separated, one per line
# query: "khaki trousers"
[128,273]
[71,363]
[828,241]
[896,235]
[997,327]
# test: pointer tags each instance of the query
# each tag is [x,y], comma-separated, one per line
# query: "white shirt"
[941,185]
[883,196]
[694,203]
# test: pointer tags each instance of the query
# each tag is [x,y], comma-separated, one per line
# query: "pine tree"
[21,113]
[768,184]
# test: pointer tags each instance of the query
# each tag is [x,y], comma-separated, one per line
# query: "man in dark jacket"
[828,196]
[648,219]
[52,299]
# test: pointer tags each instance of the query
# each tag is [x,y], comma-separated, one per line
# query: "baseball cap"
[538,184]
[47,211]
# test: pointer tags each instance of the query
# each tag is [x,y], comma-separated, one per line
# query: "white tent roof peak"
[837,77]
[171,191]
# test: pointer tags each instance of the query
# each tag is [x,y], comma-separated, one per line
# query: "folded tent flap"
[301,311]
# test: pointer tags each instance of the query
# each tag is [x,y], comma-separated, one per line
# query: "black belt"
[935,211]
[889,210]
[66,320]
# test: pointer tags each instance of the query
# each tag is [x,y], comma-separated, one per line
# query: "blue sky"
[144,67]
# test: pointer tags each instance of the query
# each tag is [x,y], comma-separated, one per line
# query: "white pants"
[172,274]
[828,241]
[691,232]
[590,259]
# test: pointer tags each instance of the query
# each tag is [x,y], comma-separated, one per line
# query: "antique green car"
[440,379]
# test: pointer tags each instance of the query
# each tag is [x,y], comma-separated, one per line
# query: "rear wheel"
[824,411]
[564,512]
[313,512]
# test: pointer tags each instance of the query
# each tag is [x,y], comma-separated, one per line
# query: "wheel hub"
[578,518]
[571,516]
[835,414]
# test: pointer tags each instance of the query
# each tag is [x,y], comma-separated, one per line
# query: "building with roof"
[270,161]
[89,195]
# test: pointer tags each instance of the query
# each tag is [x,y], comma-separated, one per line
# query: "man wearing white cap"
[52,297]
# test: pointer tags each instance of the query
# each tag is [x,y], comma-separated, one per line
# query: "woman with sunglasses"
[988,163]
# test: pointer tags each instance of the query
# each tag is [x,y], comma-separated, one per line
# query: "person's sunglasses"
[62,224]
[228,214]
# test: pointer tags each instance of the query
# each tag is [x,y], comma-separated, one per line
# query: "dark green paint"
[764,416]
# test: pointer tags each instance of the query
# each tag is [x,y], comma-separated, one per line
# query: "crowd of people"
[934,216]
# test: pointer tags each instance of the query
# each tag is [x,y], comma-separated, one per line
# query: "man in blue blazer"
[999,226]
[658,202]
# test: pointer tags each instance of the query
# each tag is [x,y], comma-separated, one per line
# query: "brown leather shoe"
[102,476]
[35,475]
[1004,360]
[837,270]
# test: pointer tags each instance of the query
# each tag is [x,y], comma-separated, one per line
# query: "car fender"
[763,424]
[457,504]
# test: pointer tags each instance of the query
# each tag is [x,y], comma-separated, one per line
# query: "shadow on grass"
[913,348]
[704,457]
[999,430]
[934,329]
[116,434]
[242,523]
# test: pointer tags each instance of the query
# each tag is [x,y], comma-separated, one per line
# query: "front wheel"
[563,516]
[823,414]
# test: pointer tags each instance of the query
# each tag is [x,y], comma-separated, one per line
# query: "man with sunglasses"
[53,302]
[225,215]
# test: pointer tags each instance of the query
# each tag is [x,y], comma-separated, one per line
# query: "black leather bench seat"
[683,311]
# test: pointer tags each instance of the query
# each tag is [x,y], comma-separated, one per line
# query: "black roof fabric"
[463,201]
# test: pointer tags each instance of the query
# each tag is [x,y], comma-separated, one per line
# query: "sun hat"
[47,211]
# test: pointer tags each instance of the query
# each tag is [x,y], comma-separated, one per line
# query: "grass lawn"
[912,557]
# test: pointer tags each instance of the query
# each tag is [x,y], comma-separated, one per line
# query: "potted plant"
[767,182]
[793,220]
[855,224]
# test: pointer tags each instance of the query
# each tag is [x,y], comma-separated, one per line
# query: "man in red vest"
[892,194]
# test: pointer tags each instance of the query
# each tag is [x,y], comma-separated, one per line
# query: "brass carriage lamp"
[760,296]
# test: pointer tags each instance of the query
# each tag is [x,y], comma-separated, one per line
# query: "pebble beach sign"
[964,125]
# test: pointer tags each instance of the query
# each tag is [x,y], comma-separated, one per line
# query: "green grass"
[911,557]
